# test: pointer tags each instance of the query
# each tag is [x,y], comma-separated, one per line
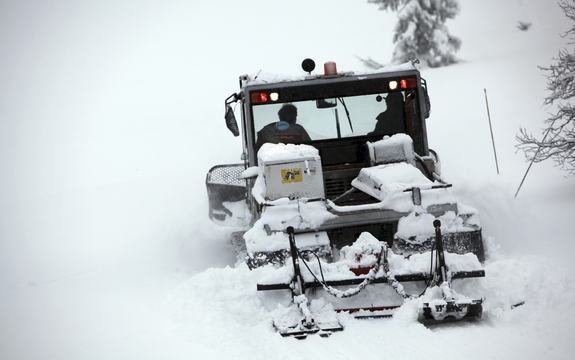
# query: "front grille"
[338,182]
[336,187]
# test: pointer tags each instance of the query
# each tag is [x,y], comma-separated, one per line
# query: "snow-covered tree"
[558,141]
[421,33]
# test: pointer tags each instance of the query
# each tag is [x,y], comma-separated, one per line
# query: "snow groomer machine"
[340,203]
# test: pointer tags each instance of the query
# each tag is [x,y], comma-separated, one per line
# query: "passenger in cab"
[285,130]
[392,120]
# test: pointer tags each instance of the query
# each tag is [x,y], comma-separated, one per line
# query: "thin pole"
[525,175]
[533,160]
[491,131]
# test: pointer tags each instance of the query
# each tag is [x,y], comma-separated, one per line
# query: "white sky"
[77,78]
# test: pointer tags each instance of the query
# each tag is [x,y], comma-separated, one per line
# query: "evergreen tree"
[421,32]
[558,142]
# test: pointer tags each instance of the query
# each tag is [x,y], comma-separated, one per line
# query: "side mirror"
[231,122]
[426,99]
[326,103]
[427,104]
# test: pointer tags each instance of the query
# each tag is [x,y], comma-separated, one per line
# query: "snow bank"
[221,304]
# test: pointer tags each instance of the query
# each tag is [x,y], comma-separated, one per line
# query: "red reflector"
[361,270]
[259,97]
[407,83]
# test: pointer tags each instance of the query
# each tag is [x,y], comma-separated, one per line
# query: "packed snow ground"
[108,112]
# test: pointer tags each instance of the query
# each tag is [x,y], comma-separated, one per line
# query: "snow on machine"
[340,203]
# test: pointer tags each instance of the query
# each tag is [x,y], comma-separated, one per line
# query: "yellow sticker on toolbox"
[292,175]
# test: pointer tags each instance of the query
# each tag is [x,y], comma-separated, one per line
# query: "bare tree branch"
[558,143]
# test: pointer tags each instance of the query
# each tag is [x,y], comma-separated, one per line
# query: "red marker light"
[408,83]
[259,97]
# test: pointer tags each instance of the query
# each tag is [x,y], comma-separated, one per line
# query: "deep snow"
[108,111]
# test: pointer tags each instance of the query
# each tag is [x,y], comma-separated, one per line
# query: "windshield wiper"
[346,113]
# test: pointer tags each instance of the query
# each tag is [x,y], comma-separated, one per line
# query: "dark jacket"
[392,120]
[282,132]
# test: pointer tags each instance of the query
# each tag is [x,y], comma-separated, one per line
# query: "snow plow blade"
[430,313]
[440,304]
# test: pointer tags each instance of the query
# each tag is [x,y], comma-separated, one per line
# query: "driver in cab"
[285,130]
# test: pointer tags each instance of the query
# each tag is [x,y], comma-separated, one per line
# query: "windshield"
[305,121]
